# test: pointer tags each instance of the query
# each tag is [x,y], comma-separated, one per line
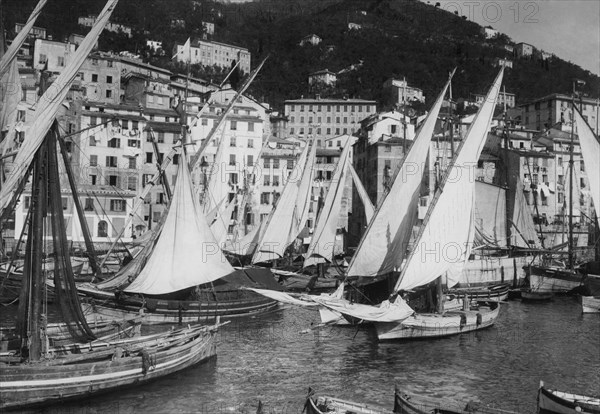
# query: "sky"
[568,28]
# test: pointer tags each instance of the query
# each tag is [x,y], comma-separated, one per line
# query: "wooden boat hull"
[534,296]
[495,292]
[556,402]
[436,326]
[329,405]
[590,304]
[489,270]
[408,404]
[173,311]
[48,382]
[554,280]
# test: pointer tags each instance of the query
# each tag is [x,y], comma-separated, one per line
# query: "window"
[267,180]
[132,162]
[93,179]
[204,121]
[581,166]
[161,137]
[108,79]
[560,161]
[250,160]
[561,179]
[233,178]
[93,160]
[102,228]
[231,159]
[113,180]
[92,141]
[111,161]
[134,125]
[93,121]
[251,126]
[108,93]
[337,119]
[232,141]
[265,198]
[176,159]
[125,124]
[561,198]
[275,180]
[276,163]
[132,183]
[109,63]
[117,205]
[267,163]
[159,158]
[61,61]
[290,164]
[133,143]
[43,58]
[149,158]
[114,143]
[89,204]
[146,178]
[250,143]
[388,148]
[65,203]
[330,144]
[94,77]
[233,125]
[339,143]
[582,182]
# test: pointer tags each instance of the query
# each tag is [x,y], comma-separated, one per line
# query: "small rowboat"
[558,402]
[590,304]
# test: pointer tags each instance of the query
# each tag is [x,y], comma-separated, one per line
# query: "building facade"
[544,112]
[209,53]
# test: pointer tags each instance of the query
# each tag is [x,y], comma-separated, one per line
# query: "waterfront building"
[209,53]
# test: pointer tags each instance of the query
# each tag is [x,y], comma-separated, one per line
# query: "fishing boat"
[590,304]
[403,403]
[558,402]
[182,275]
[448,222]
[568,278]
[498,292]
[39,372]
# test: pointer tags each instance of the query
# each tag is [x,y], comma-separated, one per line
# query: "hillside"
[397,38]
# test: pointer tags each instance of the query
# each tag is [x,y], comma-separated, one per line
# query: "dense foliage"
[400,38]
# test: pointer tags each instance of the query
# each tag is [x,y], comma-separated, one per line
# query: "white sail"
[303,198]
[247,244]
[15,46]
[522,232]
[444,242]
[279,227]
[10,96]
[220,227]
[382,248]
[590,150]
[186,253]
[48,105]
[490,215]
[362,193]
[218,187]
[386,311]
[323,238]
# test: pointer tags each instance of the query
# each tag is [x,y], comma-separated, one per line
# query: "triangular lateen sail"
[186,253]
[590,150]
[47,107]
[277,231]
[522,232]
[382,248]
[490,215]
[444,241]
[323,238]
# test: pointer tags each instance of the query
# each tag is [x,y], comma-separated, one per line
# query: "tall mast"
[451,121]
[506,145]
[571,162]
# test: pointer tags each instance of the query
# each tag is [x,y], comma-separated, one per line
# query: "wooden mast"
[571,163]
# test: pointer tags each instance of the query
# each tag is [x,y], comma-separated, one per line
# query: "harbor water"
[274,358]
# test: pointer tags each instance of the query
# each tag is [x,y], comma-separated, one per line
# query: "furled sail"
[522,232]
[590,149]
[362,193]
[186,253]
[490,215]
[47,107]
[444,242]
[279,227]
[382,248]
[11,52]
[323,239]
[386,311]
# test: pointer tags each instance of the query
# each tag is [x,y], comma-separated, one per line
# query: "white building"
[489,32]
[507,63]
[111,27]
[208,53]
[322,77]
[387,125]
[56,54]
[311,39]
[401,92]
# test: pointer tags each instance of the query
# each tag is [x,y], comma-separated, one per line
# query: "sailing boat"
[446,234]
[551,279]
[381,250]
[32,376]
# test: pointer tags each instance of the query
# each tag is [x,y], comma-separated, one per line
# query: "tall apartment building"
[209,53]
[544,112]
[56,55]
[322,118]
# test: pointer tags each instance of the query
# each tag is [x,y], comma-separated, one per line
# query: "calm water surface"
[274,359]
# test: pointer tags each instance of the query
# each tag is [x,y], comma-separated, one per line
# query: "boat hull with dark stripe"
[57,380]
[557,402]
